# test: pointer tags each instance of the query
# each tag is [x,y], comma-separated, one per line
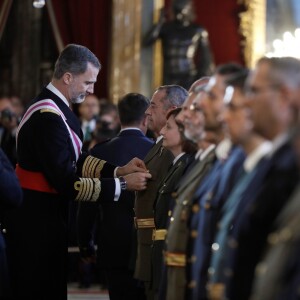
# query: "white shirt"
[256,155]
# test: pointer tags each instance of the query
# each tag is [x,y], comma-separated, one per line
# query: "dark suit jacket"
[10,197]
[157,161]
[254,220]
[115,230]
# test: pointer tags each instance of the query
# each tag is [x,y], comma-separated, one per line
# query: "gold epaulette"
[159,234]
[88,189]
[175,259]
[49,110]
[92,167]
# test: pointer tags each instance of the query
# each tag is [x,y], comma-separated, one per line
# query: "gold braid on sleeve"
[92,167]
[88,189]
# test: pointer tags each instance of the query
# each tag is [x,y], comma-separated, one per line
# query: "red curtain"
[221,20]
[85,22]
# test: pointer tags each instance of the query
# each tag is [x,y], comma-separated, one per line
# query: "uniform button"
[171,219]
[195,208]
[215,246]
[169,213]
[194,234]
[232,243]
[174,194]
[207,206]
[192,284]
[193,259]
[211,271]
[185,202]
[4,230]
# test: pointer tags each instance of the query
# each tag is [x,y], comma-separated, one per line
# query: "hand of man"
[137,181]
[135,165]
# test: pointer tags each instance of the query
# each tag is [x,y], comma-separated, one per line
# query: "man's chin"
[78,100]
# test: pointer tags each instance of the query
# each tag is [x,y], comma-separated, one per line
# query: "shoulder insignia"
[49,110]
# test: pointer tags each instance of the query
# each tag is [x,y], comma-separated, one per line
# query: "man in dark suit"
[158,160]
[10,197]
[52,170]
[116,225]
[271,90]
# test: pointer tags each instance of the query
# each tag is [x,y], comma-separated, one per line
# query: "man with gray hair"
[157,161]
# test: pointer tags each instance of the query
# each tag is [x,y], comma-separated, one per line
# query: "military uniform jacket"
[210,197]
[177,236]
[39,228]
[163,203]
[157,162]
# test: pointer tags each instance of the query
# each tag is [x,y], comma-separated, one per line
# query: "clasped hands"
[136,175]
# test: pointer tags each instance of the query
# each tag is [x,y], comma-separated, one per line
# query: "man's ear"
[67,78]
[171,108]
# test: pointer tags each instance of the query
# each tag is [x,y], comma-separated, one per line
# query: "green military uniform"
[163,204]
[177,236]
[157,162]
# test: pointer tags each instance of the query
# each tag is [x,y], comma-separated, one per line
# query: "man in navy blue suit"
[115,232]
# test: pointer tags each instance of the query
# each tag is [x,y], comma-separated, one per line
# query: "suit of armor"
[186,51]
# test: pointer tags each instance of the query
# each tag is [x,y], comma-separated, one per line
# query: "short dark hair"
[175,94]
[188,146]
[132,108]
[74,59]
[229,69]
[238,80]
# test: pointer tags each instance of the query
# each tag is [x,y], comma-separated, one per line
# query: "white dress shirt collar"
[256,155]
[54,90]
